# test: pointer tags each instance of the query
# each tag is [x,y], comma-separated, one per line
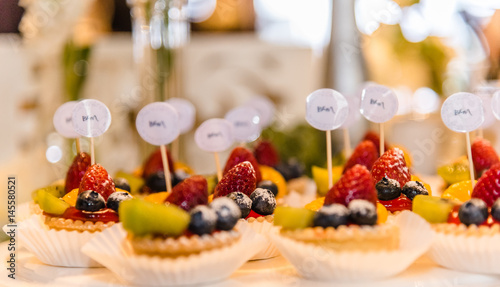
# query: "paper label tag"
[157,123]
[186,112]
[486,95]
[326,109]
[462,112]
[378,103]
[63,120]
[495,104]
[91,118]
[245,120]
[353,116]
[265,108]
[214,135]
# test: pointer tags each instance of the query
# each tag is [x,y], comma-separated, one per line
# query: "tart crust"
[268,218]
[349,238]
[183,245]
[59,223]
[462,229]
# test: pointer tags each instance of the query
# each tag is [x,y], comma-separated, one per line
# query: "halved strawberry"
[76,171]
[189,193]
[239,155]
[266,153]
[239,178]
[392,165]
[364,154]
[154,164]
[356,183]
[97,179]
[483,155]
[488,185]
[375,139]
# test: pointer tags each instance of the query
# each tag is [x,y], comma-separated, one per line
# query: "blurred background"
[219,54]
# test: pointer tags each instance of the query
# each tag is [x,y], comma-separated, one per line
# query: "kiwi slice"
[50,203]
[135,182]
[140,218]
[431,208]
[292,217]
[55,190]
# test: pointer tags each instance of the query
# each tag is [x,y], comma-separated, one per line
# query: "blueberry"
[362,212]
[228,213]
[263,201]
[203,220]
[156,182]
[243,201]
[122,183]
[388,189]
[495,210]
[267,184]
[473,211]
[332,215]
[414,188]
[115,198]
[90,200]
[290,169]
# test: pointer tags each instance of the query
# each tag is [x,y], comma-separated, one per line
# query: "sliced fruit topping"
[141,218]
[56,190]
[239,178]
[265,153]
[116,198]
[356,183]
[362,212]
[90,200]
[433,209]
[473,211]
[76,171]
[316,204]
[157,197]
[228,213]
[332,215]
[293,218]
[375,139]
[320,176]
[391,164]
[190,193]
[290,169]
[455,172]
[239,155]
[414,188]
[263,201]
[495,210]
[398,204]
[364,154]
[51,204]
[243,201]
[97,179]
[203,220]
[488,186]
[269,185]
[484,155]
[71,197]
[388,189]
[382,213]
[134,182]
[154,163]
[122,183]
[460,191]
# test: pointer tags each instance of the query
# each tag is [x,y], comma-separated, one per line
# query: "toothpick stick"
[347,143]
[329,157]
[78,146]
[217,164]
[469,155]
[92,154]
[382,140]
[175,149]
[166,168]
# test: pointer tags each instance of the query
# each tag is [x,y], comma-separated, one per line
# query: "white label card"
[486,95]
[186,112]
[63,120]
[495,104]
[378,103]
[265,108]
[157,123]
[326,109]
[91,118]
[245,120]
[214,135]
[462,112]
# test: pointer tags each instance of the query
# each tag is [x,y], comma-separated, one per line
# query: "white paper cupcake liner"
[317,263]
[54,247]
[477,254]
[112,250]
[265,228]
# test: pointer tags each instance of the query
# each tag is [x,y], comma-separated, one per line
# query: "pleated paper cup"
[265,227]
[111,249]
[317,263]
[467,252]
[54,247]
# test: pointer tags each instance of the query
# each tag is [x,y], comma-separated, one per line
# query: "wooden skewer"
[217,164]
[329,158]
[166,168]
[469,155]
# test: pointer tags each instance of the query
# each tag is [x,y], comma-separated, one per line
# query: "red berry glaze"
[103,215]
[154,164]
[239,178]
[239,155]
[265,153]
[398,204]
[454,219]
[97,179]
[76,171]
[356,183]
[392,165]
[488,186]
[484,155]
[253,214]
[189,193]
[364,154]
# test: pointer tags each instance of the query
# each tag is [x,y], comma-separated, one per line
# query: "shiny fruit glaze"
[398,204]
[253,214]
[453,218]
[104,215]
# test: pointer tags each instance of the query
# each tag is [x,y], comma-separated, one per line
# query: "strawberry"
[375,139]
[76,171]
[391,164]
[364,154]
[154,164]
[239,155]
[356,183]
[97,179]
[239,178]
[483,155]
[266,154]
[190,192]
[488,186]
